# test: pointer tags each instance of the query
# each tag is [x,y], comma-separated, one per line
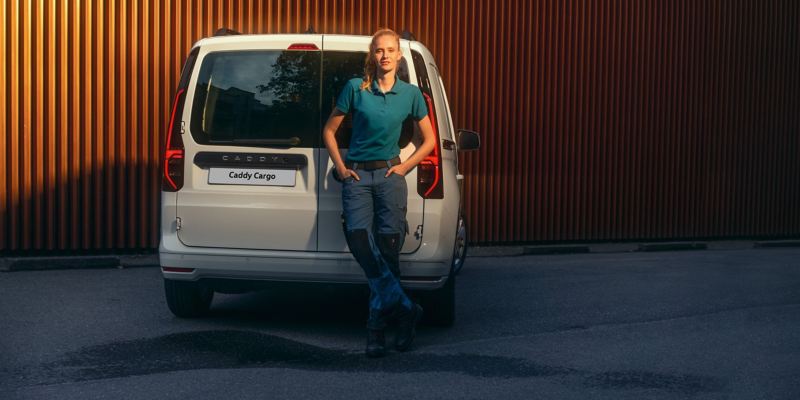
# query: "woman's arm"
[329,137]
[428,143]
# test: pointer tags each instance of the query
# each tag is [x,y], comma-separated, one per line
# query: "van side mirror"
[468,140]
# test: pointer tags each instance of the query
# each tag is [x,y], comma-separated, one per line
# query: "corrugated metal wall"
[601,120]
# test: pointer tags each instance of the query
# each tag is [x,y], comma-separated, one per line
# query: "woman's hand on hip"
[348,173]
[398,169]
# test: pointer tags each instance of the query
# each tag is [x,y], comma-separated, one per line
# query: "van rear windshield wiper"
[292,141]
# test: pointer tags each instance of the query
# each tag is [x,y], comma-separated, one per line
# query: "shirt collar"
[377,90]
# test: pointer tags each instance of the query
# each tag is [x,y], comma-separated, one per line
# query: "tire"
[187,299]
[440,305]
[460,246]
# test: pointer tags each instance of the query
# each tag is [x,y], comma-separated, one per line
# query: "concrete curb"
[12,264]
[561,249]
[672,246]
[778,243]
[509,251]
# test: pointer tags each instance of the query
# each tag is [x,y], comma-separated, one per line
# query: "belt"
[372,165]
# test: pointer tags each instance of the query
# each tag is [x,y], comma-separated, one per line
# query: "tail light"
[172,181]
[173,152]
[429,170]
[303,46]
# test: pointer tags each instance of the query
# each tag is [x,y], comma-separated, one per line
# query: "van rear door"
[343,59]
[252,151]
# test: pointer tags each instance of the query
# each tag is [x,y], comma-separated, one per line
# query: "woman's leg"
[391,227]
[361,204]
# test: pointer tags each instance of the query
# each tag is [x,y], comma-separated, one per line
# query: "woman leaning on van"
[374,191]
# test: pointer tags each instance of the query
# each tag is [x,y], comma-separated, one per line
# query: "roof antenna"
[226,32]
[310,29]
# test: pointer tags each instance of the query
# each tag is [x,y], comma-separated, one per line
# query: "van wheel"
[440,305]
[460,247]
[187,299]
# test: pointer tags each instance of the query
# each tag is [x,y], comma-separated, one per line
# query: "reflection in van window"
[257,95]
[338,68]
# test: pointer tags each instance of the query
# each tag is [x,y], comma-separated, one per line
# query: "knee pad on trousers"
[389,246]
[358,241]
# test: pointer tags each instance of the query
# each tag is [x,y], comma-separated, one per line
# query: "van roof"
[255,38]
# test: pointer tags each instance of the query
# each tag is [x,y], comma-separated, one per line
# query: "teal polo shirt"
[378,117]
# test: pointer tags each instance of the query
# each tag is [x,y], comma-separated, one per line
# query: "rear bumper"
[292,266]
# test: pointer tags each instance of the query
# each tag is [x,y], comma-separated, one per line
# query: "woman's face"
[386,53]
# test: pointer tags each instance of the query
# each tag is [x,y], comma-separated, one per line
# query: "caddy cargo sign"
[251,176]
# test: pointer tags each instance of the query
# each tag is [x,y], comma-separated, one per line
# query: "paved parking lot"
[696,324]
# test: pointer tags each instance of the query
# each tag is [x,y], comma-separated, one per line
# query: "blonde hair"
[370,69]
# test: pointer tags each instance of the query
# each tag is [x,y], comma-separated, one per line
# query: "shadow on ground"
[223,349]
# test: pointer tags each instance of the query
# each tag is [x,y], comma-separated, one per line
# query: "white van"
[249,194]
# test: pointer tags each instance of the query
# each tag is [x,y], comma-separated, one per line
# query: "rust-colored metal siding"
[601,120]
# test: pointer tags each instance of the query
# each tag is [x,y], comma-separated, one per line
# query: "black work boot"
[376,343]
[406,327]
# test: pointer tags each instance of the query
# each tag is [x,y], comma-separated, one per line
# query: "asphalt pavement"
[709,324]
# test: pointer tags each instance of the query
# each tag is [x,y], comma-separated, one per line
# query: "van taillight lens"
[173,152]
[429,170]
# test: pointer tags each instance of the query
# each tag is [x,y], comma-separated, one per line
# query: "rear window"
[338,68]
[258,98]
[275,98]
